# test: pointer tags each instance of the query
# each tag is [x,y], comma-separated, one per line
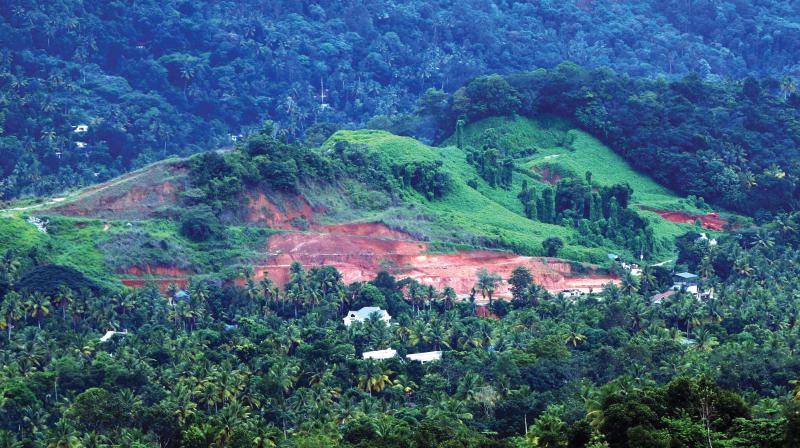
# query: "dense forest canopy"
[173,77]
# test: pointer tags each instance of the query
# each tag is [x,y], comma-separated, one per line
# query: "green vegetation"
[260,365]
[559,150]
[681,132]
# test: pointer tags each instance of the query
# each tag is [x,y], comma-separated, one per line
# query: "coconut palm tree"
[574,337]
[38,306]
[64,436]
[375,378]
[788,87]
[11,311]
[705,340]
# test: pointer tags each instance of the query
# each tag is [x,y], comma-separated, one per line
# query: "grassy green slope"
[485,213]
[569,151]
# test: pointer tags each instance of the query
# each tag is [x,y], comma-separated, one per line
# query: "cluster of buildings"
[633,268]
[375,312]
[688,283]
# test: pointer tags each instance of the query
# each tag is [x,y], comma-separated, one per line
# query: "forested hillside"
[401,224]
[734,143]
[173,77]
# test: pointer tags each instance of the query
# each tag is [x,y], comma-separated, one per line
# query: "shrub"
[199,224]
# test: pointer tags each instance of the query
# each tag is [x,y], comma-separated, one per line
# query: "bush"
[552,245]
[200,224]
[48,278]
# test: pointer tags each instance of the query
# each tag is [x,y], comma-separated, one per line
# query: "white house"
[81,128]
[380,354]
[425,356]
[80,145]
[364,314]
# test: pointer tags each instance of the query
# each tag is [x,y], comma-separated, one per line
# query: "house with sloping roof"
[80,129]
[380,354]
[425,356]
[364,314]
[658,298]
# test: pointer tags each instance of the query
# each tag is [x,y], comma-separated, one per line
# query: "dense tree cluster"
[171,77]
[219,179]
[597,212]
[261,365]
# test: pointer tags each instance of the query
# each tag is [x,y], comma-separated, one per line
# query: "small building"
[685,281]
[658,298]
[380,354]
[110,334]
[181,295]
[81,145]
[80,129]
[711,242]
[425,356]
[571,293]
[364,314]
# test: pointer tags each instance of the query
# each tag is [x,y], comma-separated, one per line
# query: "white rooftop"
[110,333]
[380,354]
[425,356]
[364,314]
[367,311]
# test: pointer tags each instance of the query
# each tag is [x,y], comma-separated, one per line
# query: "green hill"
[564,151]
[133,220]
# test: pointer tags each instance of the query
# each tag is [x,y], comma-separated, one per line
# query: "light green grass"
[485,216]
[571,151]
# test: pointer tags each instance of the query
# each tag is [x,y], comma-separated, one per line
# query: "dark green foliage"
[671,130]
[610,367]
[96,409]
[47,279]
[426,177]
[527,196]
[547,210]
[199,224]
[552,245]
[485,96]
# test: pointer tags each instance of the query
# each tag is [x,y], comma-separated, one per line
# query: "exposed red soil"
[549,175]
[141,199]
[263,210]
[483,311]
[163,276]
[710,221]
[372,248]
[136,201]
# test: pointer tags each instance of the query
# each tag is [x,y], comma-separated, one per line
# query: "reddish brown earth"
[163,276]
[549,175]
[710,221]
[144,196]
[263,210]
[360,251]
[483,311]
